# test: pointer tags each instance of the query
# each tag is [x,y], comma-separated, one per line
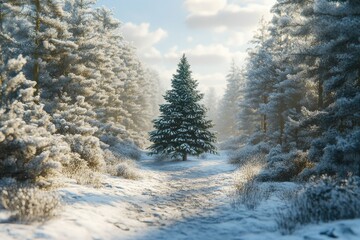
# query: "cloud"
[204,6]
[229,18]
[141,35]
[144,39]
[235,15]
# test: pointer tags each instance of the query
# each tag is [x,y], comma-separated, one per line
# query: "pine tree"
[182,128]
[229,105]
[29,147]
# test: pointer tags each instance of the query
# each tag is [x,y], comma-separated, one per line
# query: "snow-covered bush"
[29,204]
[325,200]
[79,170]
[127,170]
[120,166]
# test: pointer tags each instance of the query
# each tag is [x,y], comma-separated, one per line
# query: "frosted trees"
[260,77]
[29,147]
[303,85]
[182,128]
[229,105]
[75,64]
[338,51]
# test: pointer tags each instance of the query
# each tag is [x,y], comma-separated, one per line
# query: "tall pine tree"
[182,128]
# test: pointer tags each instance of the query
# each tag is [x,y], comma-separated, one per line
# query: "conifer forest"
[232,120]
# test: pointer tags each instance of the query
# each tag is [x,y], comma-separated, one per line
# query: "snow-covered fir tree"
[259,76]
[182,128]
[30,149]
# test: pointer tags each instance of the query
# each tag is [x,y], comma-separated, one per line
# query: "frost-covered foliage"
[29,204]
[182,127]
[326,200]
[301,97]
[29,147]
[79,170]
[69,81]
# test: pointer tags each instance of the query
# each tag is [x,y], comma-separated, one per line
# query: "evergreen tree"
[227,123]
[29,147]
[182,128]
[260,74]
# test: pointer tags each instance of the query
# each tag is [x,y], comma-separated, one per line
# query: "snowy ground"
[174,200]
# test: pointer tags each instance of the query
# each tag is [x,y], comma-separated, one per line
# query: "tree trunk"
[282,128]
[184,157]
[320,95]
[263,123]
[264,117]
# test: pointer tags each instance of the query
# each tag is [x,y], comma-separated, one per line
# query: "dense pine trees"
[301,96]
[182,128]
[70,87]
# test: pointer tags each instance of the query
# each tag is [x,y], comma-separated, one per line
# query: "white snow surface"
[174,200]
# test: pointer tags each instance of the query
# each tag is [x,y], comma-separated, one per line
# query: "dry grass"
[248,191]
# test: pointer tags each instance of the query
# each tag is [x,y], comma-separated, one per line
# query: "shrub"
[29,204]
[326,200]
[120,166]
[78,170]
[127,170]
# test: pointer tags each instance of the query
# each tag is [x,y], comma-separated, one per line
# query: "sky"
[211,33]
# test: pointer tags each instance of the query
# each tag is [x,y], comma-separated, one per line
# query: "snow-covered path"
[174,200]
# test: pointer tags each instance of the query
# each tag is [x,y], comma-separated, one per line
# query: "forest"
[89,136]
